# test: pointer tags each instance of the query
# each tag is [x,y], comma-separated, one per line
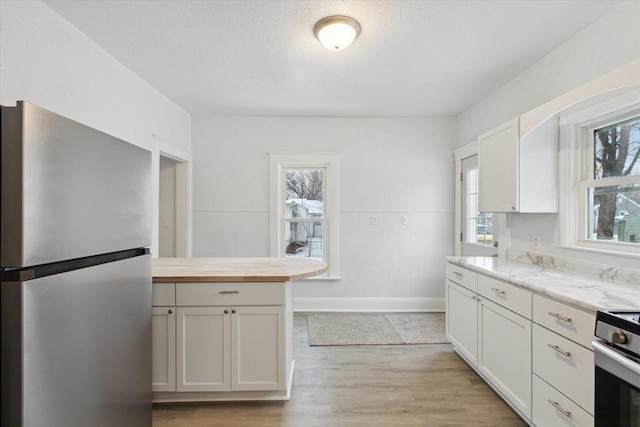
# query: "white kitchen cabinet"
[519,173]
[258,348]
[504,352]
[163,341]
[552,408]
[564,363]
[535,351]
[163,350]
[231,348]
[204,349]
[462,321]
[485,328]
[231,341]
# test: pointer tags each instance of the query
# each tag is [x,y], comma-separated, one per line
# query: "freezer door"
[76,347]
[68,190]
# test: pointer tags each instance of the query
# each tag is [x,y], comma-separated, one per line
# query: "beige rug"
[376,329]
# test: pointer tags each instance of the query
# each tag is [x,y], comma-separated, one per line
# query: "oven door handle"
[616,357]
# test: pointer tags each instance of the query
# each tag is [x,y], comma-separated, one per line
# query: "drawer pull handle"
[559,408]
[229,292]
[559,317]
[457,273]
[559,350]
[498,291]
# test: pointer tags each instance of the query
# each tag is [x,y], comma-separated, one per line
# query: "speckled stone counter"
[589,293]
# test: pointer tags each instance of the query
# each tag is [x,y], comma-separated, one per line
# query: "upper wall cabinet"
[519,173]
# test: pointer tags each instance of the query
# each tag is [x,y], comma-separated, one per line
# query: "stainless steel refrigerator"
[75,295]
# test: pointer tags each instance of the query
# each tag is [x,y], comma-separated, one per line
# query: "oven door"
[617,394]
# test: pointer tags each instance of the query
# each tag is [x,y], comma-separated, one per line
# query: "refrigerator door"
[68,191]
[77,347]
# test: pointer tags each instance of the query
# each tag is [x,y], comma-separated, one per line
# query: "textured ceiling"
[413,58]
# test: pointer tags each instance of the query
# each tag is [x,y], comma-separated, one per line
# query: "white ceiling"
[413,58]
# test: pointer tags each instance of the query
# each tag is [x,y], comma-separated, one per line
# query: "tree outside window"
[614,187]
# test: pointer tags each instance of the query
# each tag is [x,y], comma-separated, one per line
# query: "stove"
[620,329]
[617,368]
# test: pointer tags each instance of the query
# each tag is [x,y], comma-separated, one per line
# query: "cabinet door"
[498,169]
[258,348]
[504,353]
[204,356]
[163,350]
[462,318]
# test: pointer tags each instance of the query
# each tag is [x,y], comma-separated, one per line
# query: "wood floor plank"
[396,385]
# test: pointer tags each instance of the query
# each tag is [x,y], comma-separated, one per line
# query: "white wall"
[389,168]
[606,45]
[50,63]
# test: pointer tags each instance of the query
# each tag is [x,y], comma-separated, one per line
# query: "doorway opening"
[172,207]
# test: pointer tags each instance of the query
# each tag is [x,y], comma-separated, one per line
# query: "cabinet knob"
[226,311]
[513,208]
[618,337]
[233,311]
[170,311]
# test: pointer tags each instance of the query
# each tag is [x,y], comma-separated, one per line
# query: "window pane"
[616,149]
[304,193]
[303,239]
[615,213]
[479,225]
[484,229]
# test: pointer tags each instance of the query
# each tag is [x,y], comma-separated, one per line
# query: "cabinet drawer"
[570,322]
[462,276]
[243,293]
[509,296]
[565,365]
[552,408]
[164,294]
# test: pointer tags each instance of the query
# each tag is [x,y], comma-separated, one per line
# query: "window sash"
[587,207]
[329,163]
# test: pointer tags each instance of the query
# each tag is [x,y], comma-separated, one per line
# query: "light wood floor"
[395,385]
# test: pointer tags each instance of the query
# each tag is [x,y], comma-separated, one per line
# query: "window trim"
[330,162]
[576,146]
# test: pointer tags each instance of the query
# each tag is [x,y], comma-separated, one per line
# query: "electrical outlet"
[404,220]
[535,242]
[374,220]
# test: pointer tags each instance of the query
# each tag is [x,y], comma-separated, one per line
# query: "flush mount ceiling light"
[336,32]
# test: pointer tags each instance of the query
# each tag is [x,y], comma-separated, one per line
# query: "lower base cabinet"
[258,349]
[230,348]
[163,351]
[462,321]
[533,350]
[203,344]
[504,353]
[203,351]
[552,408]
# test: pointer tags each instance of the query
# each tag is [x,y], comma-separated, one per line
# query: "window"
[304,207]
[479,226]
[612,184]
[303,212]
[601,193]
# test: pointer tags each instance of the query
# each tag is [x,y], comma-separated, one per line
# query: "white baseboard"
[305,304]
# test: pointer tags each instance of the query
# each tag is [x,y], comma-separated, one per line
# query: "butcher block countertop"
[168,270]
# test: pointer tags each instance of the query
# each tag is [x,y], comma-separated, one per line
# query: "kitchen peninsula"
[222,327]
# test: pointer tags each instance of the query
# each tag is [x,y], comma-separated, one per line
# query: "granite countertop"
[235,269]
[589,293]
